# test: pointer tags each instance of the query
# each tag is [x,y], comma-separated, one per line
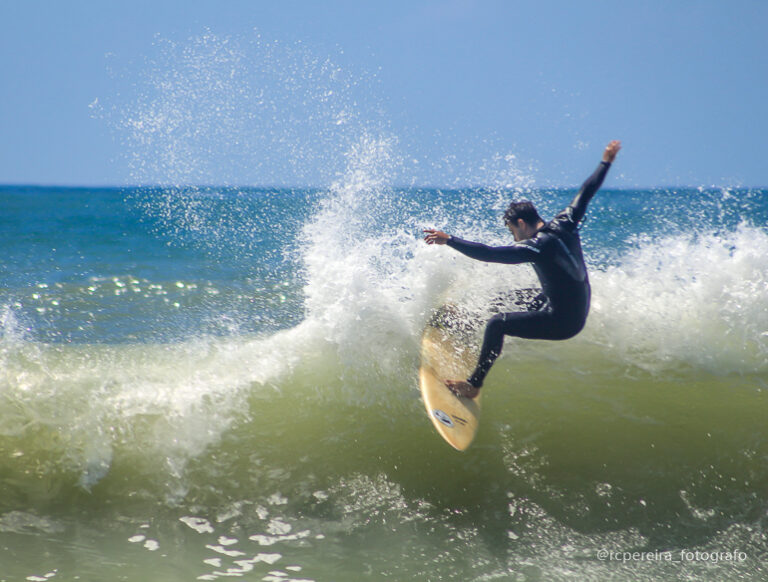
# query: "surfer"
[554,249]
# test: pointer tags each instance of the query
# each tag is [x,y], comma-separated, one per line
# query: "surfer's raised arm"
[592,184]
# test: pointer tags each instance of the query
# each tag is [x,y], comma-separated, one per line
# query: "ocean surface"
[211,383]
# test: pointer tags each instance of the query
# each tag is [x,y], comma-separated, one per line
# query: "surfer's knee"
[496,324]
[568,329]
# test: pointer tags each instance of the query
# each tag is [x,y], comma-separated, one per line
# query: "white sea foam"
[695,299]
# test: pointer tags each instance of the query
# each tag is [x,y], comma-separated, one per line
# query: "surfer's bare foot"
[462,388]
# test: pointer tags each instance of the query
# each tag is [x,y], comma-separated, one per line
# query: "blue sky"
[459,87]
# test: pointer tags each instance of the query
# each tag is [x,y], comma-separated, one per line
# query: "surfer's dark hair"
[524,210]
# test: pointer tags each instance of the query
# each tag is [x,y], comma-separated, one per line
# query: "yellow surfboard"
[446,354]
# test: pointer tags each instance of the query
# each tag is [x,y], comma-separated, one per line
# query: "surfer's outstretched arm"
[592,184]
[514,254]
[522,252]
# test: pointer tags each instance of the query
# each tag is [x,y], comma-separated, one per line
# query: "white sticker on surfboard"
[442,417]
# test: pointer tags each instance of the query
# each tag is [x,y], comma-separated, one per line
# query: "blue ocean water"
[211,382]
[88,265]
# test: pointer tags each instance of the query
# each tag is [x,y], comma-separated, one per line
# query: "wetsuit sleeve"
[511,255]
[578,206]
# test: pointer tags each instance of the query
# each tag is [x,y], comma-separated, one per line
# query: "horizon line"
[394,187]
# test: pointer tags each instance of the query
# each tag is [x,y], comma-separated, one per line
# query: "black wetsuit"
[555,252]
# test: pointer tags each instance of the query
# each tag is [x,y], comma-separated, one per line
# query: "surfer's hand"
[436,237]
[611,150]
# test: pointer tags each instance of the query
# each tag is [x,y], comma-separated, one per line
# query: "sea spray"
[233,110]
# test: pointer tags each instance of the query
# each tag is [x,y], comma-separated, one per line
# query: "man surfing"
[554,249]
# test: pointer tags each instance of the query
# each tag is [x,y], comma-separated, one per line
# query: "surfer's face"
[520,229]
